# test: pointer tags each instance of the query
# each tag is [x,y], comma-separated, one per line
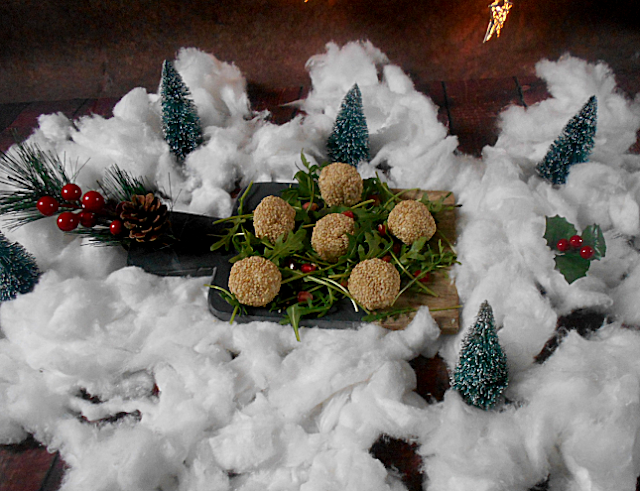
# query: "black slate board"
[342,316]
[189,255]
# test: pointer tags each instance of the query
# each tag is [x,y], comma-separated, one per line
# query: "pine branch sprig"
[25,177]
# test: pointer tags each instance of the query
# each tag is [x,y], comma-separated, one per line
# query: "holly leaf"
[572,266]
[592,236]
[558,228]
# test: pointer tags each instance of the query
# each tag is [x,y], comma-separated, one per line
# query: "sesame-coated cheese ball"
[409,220]
[272,218]
[340,184]
[374,283]
[330,237]
[255,281]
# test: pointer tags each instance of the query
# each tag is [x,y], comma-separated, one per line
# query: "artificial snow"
[205,405]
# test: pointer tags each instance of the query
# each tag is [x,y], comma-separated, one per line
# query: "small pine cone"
[145,217]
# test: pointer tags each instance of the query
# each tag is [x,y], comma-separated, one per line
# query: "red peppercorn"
[304,296]
[68,221]
[576,241]
[47,205]
[88,219]
[387,258]
[587,252]
[71,192]
[382,229]
[348,213]
[115,227]
[562,245]
[308,268]
[310,206]
[425,279]
[375,198]
[396,248]
[92,201]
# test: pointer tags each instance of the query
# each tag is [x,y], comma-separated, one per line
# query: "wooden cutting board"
[444,307]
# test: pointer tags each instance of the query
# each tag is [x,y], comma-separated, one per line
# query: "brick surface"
[533,90]
[276,101]
[473,107]
[436,92]
[23,124]
[24,467]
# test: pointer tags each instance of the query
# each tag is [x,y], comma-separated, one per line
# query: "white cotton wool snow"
[583,403]
[218,88]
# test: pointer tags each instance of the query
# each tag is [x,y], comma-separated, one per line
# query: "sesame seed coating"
[255,281]
[272,218]
[330,237]
[374,283]
[409,220]
[340,184]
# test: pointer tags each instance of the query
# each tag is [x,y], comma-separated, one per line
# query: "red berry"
[92,201]
[348,213]
[304,296]
[562,245]
[115,227]
[88,219]
[310,206]
[308,268]
[396,248]
[292,264]
[47,205]
[68,221]
[587,252]
[425,279]
[387,258]
[382,229]
[575,241]
[375,198]
[71,192]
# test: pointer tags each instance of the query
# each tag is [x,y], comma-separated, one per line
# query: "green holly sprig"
[574,252]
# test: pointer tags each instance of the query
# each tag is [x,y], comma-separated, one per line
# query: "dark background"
[65,49]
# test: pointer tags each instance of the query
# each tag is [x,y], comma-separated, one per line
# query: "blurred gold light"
[498,18]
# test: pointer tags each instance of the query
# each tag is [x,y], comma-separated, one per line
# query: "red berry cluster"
[86,209]
[575,243]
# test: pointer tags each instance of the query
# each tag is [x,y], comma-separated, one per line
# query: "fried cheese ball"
[374,283]
[255,281]
[409,220]
[340,184]
[330,236]
[272,218]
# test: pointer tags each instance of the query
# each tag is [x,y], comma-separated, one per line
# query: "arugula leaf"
[284,248]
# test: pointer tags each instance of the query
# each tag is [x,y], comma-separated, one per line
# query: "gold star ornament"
[498,18]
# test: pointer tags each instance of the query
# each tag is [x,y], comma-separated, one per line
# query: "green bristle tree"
[349,141]
[18,270]
[573,146]
[180,121]
[481,374]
